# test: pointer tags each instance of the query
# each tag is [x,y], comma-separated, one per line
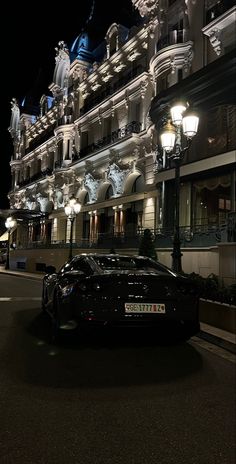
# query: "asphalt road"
[108,399]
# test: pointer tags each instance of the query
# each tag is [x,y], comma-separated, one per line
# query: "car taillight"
[97,286]
[188,290]
[82,286]
[88,286]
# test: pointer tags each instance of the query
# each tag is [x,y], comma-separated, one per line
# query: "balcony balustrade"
[110,89]
[40,139]
[38,175]
[132,127]
[173,38]
[202,235]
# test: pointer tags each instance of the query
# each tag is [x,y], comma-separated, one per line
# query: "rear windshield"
[130,263]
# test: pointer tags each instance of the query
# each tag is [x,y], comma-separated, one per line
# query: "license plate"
[145,308]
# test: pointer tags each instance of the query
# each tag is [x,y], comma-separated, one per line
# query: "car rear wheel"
[55,323]
[44,300]
[59,325]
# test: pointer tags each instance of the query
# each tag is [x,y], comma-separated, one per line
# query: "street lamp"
[10,223]
[72,209]
[183,121]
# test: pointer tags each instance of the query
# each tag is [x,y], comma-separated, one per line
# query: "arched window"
[112,44]
[109,192]
[27,174]
[38,165]
[86,199]
[138,185]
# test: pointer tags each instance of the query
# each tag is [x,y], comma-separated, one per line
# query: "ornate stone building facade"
[96,136]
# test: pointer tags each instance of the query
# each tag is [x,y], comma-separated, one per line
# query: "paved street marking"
[20,298]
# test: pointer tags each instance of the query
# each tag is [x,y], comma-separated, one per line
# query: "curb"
[215,340]
[18,274]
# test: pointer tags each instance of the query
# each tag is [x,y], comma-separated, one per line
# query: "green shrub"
[147,246]
[213,288]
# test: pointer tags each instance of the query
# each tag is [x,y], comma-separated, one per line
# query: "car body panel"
[95,289]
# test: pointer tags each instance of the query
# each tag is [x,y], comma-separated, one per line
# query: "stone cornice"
[67,130]
[42,123]
[214,29]
[45,147]
[115,100]
[129,52]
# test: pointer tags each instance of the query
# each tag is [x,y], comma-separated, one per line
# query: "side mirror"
[50,270]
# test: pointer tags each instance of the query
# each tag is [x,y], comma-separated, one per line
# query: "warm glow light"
[72,201]
[167,137]
[190,124]
[77,207]
[10,223]
[73,207]
[177,113]
[68,210]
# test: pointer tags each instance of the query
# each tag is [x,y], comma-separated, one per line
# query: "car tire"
[55,323]
[44,300]
[60,328]
[43,307]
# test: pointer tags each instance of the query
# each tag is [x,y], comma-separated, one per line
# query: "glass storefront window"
[211,201]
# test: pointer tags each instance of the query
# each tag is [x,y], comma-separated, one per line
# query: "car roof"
[102,255]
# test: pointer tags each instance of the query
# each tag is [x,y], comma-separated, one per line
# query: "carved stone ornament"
[146,8]
[91,184]
[214,38]
[58,198]
[143,87]
[18,201]
[116,176]
[45,204]
[61,49]
[14,128]
[139,157]
[62,68]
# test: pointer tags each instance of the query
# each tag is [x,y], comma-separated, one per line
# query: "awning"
[4,236]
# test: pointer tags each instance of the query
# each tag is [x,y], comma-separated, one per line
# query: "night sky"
[28,53]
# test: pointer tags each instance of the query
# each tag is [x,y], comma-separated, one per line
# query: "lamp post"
[72,209]
[183,122]
[10,223]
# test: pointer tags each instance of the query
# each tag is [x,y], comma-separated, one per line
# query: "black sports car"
[118,290]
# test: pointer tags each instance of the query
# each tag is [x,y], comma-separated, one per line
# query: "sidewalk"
[28,275]
[222,338]
[219,337]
